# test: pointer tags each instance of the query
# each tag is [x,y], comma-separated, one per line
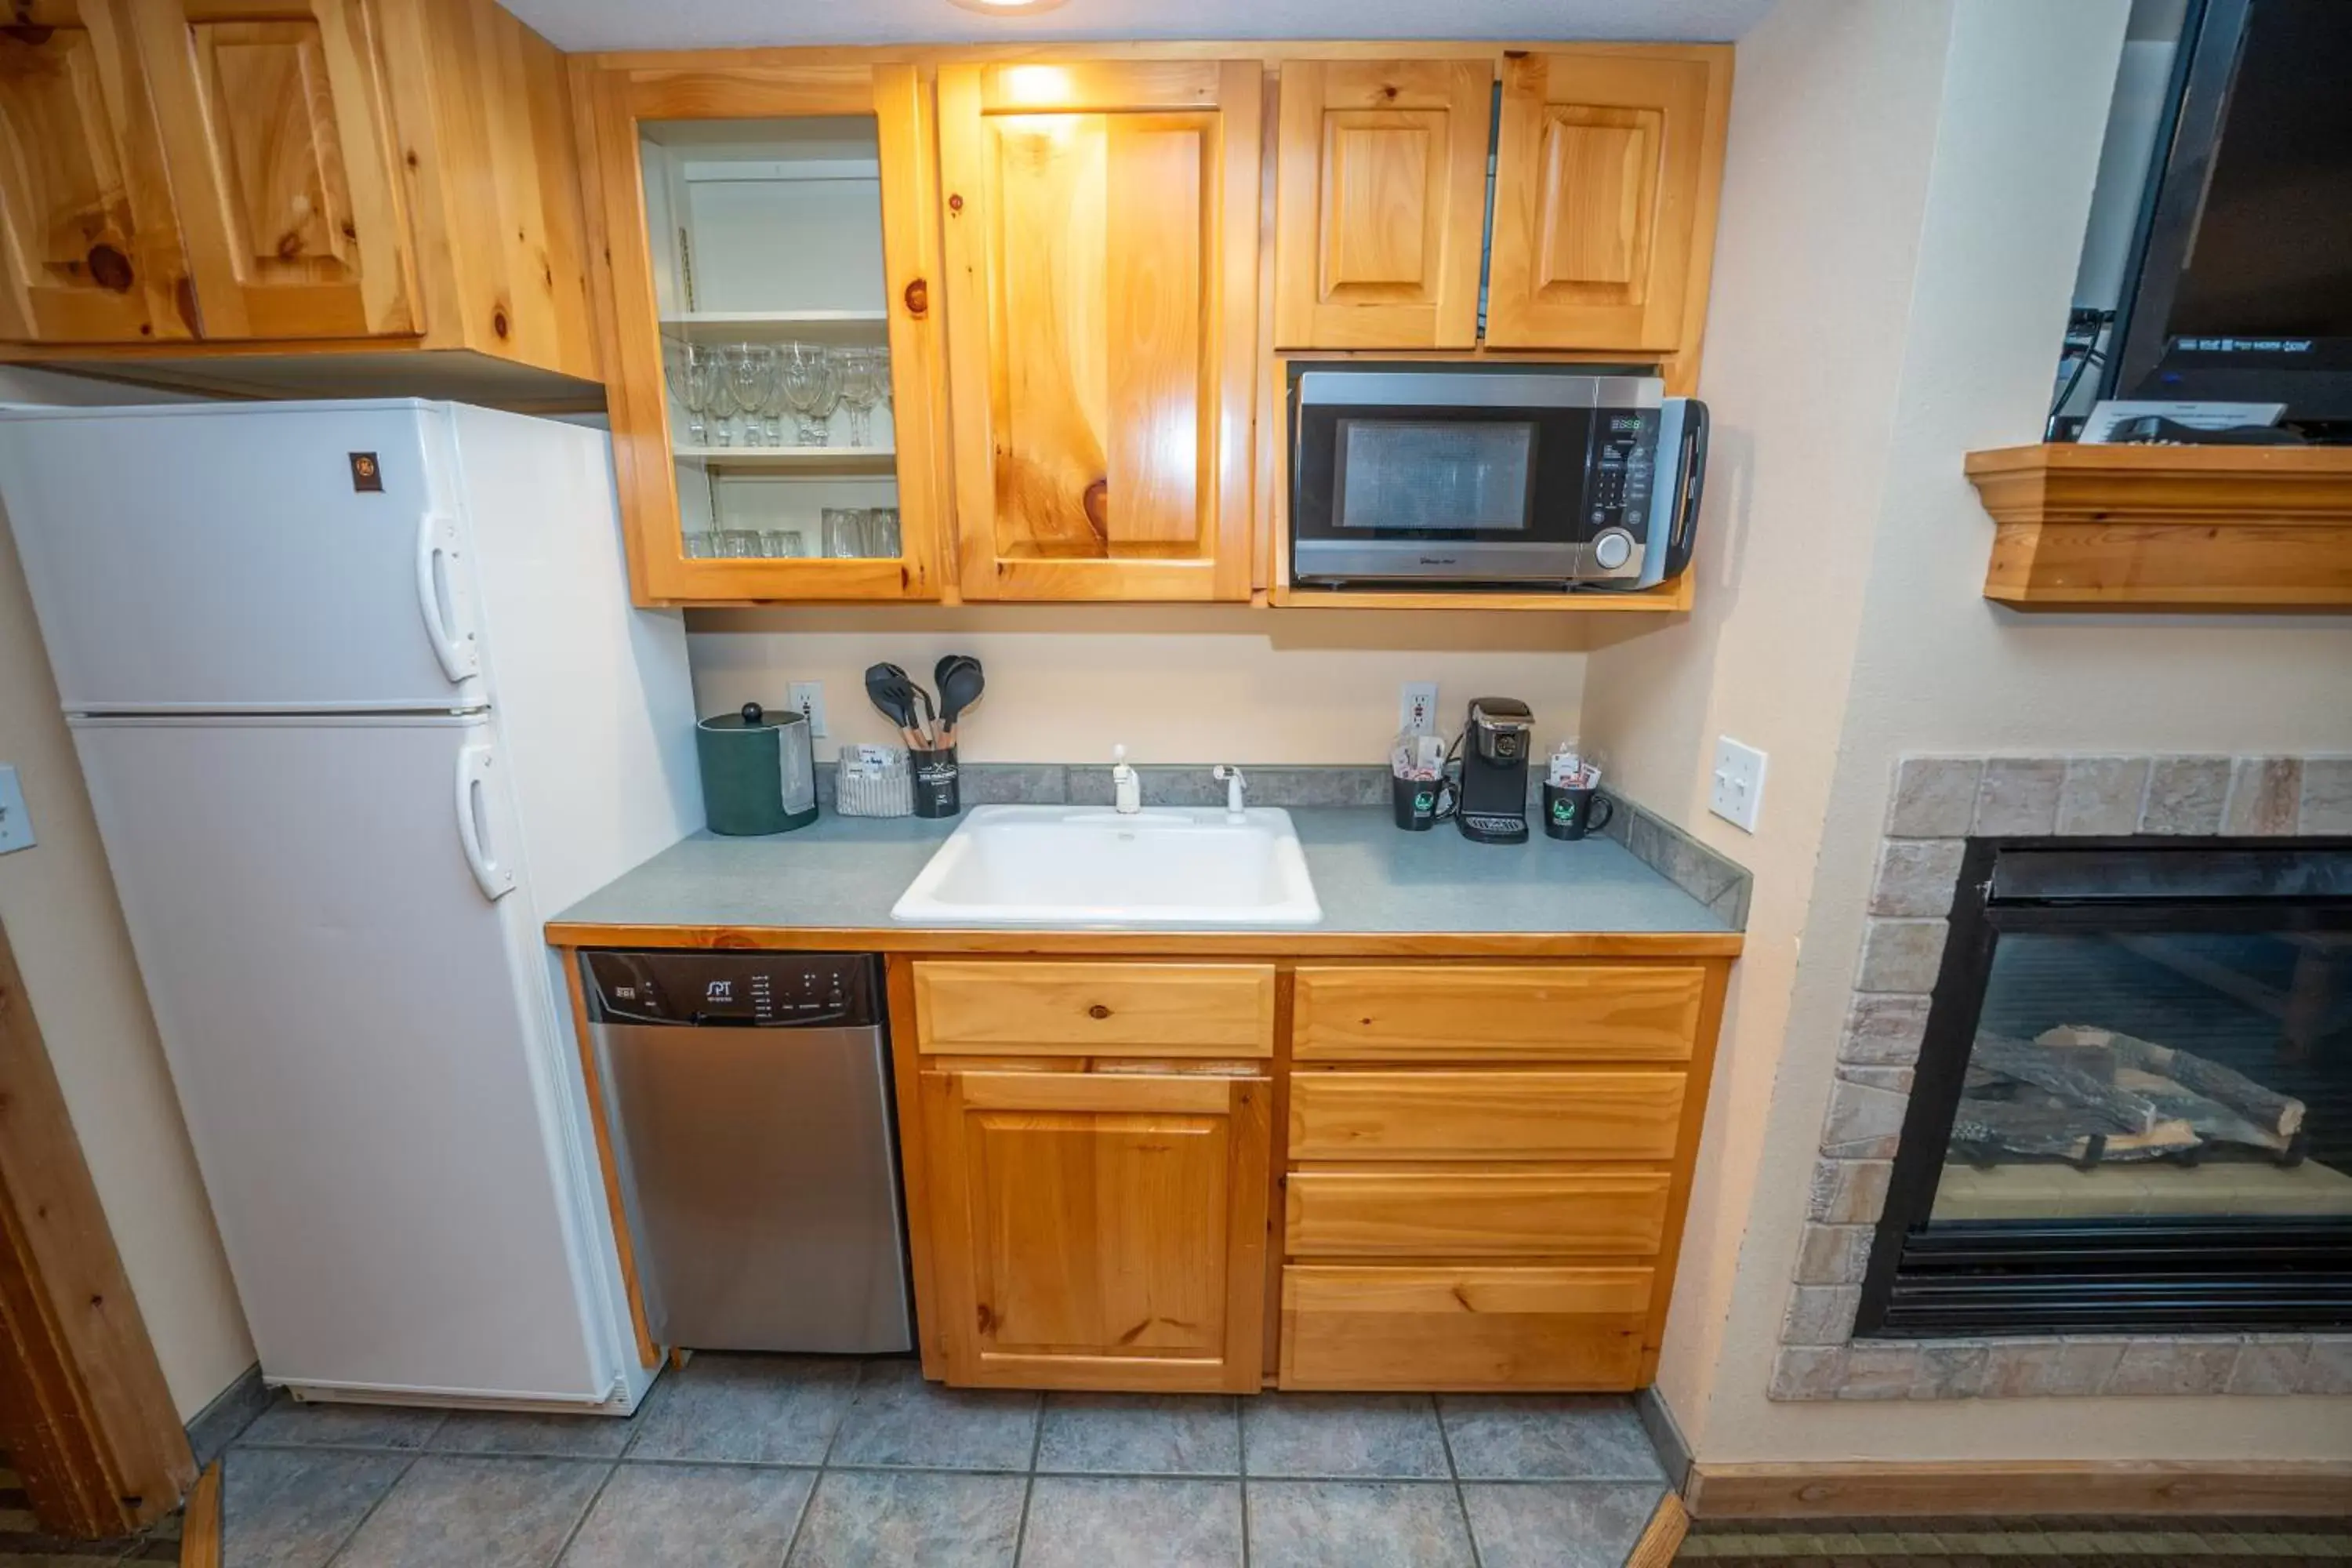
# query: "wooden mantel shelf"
[2169,528]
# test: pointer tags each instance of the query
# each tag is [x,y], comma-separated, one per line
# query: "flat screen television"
[2239,284]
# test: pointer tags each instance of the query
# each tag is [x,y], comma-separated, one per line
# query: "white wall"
[1183,684]
[1933,666]
[57,902]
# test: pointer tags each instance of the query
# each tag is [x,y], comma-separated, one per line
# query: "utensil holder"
[937,789]
[864,789]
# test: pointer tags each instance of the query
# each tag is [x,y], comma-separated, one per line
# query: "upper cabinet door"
[1101,242]
[1382,203]
[281,154]
[92,252]
[1606,168]
[768,244]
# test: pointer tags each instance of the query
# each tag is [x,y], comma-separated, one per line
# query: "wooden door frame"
[84,1413]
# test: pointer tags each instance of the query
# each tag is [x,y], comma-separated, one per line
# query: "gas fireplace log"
[2050,1071]
[2266,1108]
[2056,1132]
[2212,1121]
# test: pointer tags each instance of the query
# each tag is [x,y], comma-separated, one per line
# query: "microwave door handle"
[1690,478]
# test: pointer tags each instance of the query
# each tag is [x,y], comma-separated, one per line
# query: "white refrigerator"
[361,701]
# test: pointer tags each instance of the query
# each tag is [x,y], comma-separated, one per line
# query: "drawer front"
[1484,1115]
[1535,1013]
[1080,1009]
[1445,1214]
[1469,1327]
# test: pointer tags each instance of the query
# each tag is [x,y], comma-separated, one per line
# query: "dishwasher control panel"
[752,990]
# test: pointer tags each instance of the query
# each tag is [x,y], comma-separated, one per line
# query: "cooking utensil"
[960,684]
[893,696]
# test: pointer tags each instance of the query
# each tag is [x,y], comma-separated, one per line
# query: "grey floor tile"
[1141,1434]
[290,1507]
[709,1516]
[874,1518]
[747,1409]
[899,1419]
[531,1432]
[483,1513]
[1385,1435]
[1356,1524]
[1574,1524]
[1568,1438]
[326,1424]
[1085,1522]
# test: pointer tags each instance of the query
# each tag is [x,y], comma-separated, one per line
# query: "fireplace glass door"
[2133,1107]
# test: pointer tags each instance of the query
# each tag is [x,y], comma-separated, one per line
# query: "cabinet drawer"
[1080,1009]
[1445,1214]
[1542,1012]
[1462,1328]
[1484,1115]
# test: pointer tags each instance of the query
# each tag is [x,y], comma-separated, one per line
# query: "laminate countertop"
[833,883]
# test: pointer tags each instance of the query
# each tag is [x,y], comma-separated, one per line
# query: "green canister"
[758,771]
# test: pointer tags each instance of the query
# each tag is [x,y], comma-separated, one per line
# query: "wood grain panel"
[1382,203]
[1484,1115]
[90,247]
[1883,1488]
[1404,1013]
[1606,166]
[1156,169]
[1099,1232]
[1462,1328]
[1516,1214]
[280,145]
[1165,1009]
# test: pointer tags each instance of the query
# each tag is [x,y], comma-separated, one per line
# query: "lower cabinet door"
[1449,1327]
[1103,1231]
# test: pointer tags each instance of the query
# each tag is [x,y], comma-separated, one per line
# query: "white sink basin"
[1066,865]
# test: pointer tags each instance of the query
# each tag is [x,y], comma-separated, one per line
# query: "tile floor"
[817,1462]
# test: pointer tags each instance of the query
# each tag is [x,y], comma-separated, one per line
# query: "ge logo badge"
[719,991]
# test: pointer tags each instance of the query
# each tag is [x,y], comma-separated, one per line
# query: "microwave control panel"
[1624,464]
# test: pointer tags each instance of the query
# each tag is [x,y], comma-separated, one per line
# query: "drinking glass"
[882,532]
[782,545]
[719,397]
[689,378]
[773,401]
[845,532]
[702,546]
[859,391]
[750,370]
[881,358]
[738,543]
[813,387]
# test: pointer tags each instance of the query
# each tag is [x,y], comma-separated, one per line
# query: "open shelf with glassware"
[764,234]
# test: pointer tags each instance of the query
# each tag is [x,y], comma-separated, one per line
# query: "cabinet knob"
[1098,1010]
[919,298]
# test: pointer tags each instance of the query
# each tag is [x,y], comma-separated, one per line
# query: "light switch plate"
[1736,792]
[808,695]
[15,822]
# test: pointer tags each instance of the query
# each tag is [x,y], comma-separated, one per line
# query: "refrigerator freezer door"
[363,1045]
[222,558]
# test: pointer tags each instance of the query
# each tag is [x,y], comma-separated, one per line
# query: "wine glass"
[773,401]
[859,392]
[720,398]
[750,372]
[688,376]
[812,386]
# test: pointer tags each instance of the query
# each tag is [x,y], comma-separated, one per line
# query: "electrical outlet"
[16,823]
[808,695]
[1736,793]
[1417,708]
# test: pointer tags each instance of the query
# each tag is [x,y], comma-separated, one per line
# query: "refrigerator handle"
[493,876]
[437,594]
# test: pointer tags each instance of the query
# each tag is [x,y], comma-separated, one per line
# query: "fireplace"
[2132,1109]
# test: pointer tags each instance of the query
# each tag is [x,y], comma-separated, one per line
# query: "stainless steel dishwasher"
[750,1103]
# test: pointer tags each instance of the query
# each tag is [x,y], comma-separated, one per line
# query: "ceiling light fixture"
[1008,7]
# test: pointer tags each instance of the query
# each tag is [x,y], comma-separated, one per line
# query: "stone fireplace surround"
[1937,803]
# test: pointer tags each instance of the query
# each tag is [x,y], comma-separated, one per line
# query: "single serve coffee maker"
[1492,804]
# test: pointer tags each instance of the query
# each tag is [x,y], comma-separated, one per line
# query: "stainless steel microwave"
[1465,476]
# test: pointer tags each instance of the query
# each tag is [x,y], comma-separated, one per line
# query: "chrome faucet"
[1236,789]
[1125,788]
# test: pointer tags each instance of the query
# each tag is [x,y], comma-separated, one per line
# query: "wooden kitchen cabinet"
[1099,1229]
[1101,240]
[768,205]
[1381,202]
[93,248]
[1607,160]
[295,197]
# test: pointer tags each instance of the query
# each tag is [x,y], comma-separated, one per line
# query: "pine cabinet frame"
[615,99]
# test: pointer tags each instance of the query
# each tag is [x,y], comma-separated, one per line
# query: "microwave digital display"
[1432,476]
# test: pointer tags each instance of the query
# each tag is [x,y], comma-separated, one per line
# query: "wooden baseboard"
[200,1527]
[1663,1536]
[2022,1488]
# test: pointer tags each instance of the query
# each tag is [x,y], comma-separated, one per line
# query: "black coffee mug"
[1417,803]
[938,783]
[1573,813]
